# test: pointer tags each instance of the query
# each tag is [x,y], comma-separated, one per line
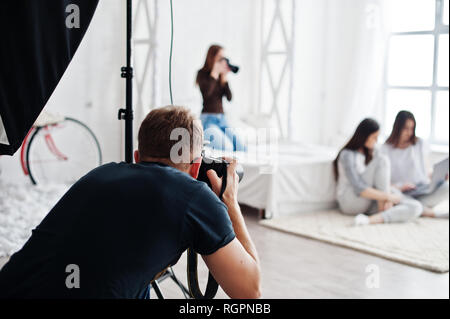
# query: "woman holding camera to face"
[407,154]
[212,80]
[363,178]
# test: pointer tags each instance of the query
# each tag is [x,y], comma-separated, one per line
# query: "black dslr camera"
[233,68]
[220,167]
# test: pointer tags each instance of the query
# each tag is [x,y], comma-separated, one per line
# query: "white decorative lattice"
[277,62]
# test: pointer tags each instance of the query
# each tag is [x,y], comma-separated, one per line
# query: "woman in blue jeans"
[212,80]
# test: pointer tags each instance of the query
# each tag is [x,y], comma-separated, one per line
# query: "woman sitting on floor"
[407,154]
[363,178]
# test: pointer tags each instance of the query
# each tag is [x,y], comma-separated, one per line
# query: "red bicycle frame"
[48,141]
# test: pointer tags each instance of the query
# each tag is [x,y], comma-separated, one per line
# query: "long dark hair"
[363,131]
[399,124]
[209,61]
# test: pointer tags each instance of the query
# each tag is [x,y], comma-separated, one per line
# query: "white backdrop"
[356,38]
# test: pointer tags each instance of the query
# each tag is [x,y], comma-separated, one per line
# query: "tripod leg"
[155,286]
[179,284]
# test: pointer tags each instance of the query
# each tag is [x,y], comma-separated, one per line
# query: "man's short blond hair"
[154,137]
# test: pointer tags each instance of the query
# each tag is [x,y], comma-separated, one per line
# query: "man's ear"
[195,167]
[136,156]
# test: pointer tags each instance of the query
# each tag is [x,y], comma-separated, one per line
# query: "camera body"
[219,165]
[233,68]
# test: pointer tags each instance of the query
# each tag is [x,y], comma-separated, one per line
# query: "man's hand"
[229,197]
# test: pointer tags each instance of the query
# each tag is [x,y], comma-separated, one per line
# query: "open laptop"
[440,171]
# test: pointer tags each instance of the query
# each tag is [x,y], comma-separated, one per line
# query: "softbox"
[37,42]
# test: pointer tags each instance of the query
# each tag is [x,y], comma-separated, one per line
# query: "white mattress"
[288,179]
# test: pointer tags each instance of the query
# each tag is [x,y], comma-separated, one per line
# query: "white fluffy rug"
[423,243]
[22,207]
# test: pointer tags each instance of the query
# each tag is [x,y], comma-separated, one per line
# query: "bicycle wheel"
[62,152]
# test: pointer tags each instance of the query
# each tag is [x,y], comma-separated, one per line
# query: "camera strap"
[192,263]
[194,288]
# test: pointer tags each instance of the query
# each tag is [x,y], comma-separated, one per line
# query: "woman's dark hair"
[399,124]
[210,59]
[366,128]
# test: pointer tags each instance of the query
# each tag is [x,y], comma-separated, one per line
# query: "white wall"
[309,71]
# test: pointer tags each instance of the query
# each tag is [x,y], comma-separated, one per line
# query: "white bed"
[290,178]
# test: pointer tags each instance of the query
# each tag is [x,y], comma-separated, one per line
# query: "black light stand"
[127,73]
[127,115]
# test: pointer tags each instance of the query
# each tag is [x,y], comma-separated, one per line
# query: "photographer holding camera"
[213,84]
[122,224]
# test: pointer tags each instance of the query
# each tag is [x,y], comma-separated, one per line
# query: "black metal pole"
[127,73]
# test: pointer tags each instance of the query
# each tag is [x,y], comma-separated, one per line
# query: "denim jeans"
[219,134]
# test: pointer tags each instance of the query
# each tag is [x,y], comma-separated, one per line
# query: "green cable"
[171,48]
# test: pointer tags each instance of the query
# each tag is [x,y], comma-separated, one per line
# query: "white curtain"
[356,43]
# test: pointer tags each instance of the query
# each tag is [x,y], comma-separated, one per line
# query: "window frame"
[439,29]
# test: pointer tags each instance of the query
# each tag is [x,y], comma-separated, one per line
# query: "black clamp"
[127,72]
[124,114]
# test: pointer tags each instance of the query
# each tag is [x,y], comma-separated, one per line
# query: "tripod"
[169,273]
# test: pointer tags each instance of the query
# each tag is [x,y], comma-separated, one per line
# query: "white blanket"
[22,208]
[289,178]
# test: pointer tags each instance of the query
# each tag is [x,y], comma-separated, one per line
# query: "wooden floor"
[296,267]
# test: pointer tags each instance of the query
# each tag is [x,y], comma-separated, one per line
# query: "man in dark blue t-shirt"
[122,224]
